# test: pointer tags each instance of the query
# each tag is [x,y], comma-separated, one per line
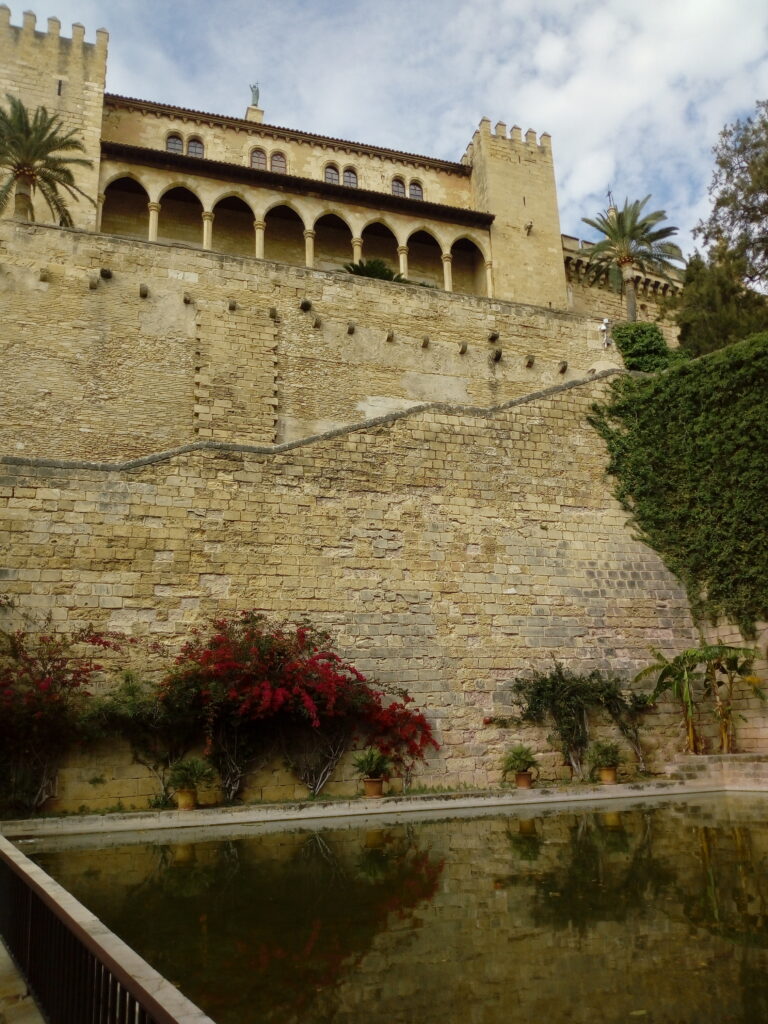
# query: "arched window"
[350,178]
[415,191]
[398,187]
[195,148]
[332,174]
[174,144]
[278,163]
[259,159]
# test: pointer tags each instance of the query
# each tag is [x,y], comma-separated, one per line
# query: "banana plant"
[679,677]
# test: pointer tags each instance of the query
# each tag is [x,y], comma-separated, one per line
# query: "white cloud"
[633,95]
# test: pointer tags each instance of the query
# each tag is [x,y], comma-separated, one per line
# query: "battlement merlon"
[27,35]
[67,77]
[542,146]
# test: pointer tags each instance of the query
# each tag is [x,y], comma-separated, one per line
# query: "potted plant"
[605,758]
[520,759]
[185,777]
[373,768]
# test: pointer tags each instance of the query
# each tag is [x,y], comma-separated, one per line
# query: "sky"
[634,94]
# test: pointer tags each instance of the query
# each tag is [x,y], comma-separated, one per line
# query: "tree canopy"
[739,192]
[34,155]
[633,241]
[715,307]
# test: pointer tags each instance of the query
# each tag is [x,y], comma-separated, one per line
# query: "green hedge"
[689,451]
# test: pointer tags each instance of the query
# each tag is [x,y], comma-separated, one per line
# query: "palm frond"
[36,149]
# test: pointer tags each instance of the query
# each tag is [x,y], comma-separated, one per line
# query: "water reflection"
[656,915]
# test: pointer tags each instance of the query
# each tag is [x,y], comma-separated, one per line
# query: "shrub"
[44,705]
[258,687]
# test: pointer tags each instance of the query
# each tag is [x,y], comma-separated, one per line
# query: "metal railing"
[61,949]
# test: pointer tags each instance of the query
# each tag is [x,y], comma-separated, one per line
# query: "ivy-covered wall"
[689,454]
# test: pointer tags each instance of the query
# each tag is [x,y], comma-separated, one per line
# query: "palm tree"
[632,242]
[374,268]
[31,157]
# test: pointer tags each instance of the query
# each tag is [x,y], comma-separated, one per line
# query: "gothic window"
[259,159]
[415,191]
[332,174]
[173,144]
[278,163]
[398,187]
[350,178]
[195,148]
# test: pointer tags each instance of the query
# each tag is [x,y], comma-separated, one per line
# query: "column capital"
[208,215]
[100,198]
[447,257]
[402,250]
[153,207]
[309,233]
[259,224]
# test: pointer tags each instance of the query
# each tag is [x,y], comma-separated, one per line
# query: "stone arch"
[180,218]
[333,242]
[284,235]
[468,267]
[425,258]
[383,221]
[233,226]
[125,209]
[380,243]
[289,204]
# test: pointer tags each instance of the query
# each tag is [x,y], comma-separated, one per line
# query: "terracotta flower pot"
[186,799]
[608,776]
[523,780]
[373,787]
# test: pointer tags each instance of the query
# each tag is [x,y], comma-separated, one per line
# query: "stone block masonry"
[447,548]
[114,348]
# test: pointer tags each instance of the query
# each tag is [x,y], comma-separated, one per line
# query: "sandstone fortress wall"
[202,412]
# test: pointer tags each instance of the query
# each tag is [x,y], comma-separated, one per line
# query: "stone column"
[357,250]
[99,201]
[207,229]
[154,216]
[489,278]
[309,248]
[402,252]
[258,227]
[447,271]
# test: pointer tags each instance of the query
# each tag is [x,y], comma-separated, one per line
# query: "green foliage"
[34,155]
[160,732]
[633,242]
[689,453]
[715,308]
[642,347]
[710,671]
[604,754]
[376,268]
[372,764]
[44,705]
[568,699]
[190,773]
[739,192]
[519,758]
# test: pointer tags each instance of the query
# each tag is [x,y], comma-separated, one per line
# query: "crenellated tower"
[514,177]
[67,77]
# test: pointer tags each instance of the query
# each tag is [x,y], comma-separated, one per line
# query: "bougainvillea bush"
[262,688]
[44,704]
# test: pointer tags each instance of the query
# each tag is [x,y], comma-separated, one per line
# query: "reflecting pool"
[655,914]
